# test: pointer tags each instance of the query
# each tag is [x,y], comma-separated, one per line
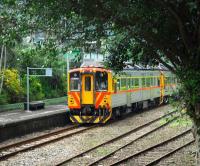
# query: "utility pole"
[67,63]
[27,90]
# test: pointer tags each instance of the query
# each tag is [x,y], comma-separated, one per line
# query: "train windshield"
[75,81]
[101,81]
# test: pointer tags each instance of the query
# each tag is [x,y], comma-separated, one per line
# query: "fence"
[21,105]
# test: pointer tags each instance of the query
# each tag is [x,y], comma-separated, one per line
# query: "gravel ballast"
[56,152]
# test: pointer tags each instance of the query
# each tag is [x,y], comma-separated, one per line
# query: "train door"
[162,87]
[87,89]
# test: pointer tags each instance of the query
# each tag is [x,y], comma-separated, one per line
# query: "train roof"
[141,67]
[89,69]
[90,63]
[98,66]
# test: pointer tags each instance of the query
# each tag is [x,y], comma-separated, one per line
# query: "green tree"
[36,91]
[46,55]
[155,31]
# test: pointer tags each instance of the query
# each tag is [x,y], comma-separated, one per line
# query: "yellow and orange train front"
[89,95]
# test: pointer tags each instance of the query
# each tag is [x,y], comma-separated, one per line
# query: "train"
[97,94]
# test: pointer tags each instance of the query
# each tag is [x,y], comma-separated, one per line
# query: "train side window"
[152,81]
[136,82]
[132,83]
[88,83]
[123,84]
[148,82]
[158,80]
[128,83]
[143,82]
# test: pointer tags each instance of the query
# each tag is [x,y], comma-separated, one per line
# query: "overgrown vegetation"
[15,78]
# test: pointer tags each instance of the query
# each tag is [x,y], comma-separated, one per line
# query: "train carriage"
[96,94]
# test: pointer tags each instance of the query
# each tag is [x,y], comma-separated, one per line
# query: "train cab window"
[88,83]
[101,81]
[75,81]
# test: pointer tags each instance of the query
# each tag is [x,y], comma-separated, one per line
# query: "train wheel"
[134,107]
[116,113]
[140,106]
[166,100]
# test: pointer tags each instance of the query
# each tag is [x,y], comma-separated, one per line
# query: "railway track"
[81,155]
[25,145]
[157,152]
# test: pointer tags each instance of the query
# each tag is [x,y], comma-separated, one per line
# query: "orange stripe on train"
[100,98]
[138,89]
[98,94]
[77,99]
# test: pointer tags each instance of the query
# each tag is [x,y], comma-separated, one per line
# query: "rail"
[82,153]
[142,152]
[39,141]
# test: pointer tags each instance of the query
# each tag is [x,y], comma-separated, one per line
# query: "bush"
[12,89]
[55,86]
[35,88]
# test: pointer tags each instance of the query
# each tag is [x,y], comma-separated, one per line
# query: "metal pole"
[27,104]
[67,63]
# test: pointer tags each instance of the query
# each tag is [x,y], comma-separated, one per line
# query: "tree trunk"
[4,67]
[1,57]
[1,61]
[196,132]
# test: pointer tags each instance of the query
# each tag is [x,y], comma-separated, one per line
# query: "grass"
[184,121]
